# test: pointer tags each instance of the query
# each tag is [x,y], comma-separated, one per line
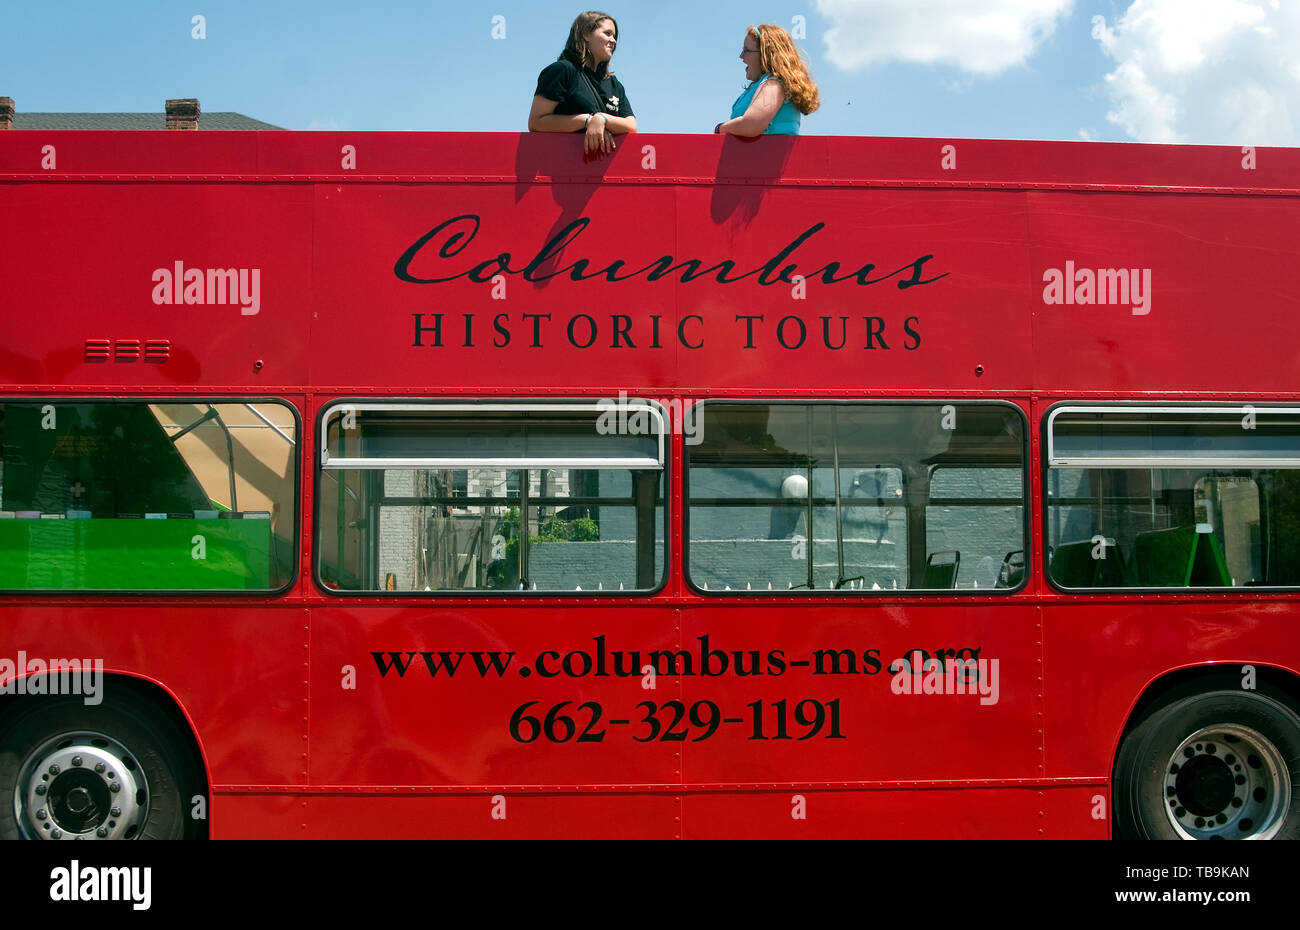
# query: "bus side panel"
[921,813]
[237,672]
[436,689]
[1038,812]
[923,276]
[116,279]
[910,304]
[270,816]
[1130,645]
[485,815]
[833,662]
[496,329]
[1202,264]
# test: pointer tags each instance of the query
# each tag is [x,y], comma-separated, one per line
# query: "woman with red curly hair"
[781,89]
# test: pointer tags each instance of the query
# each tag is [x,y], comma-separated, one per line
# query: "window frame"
[1154,461]
[493,404]
[1210,464]
[866,593]
[150,400]
[325,462]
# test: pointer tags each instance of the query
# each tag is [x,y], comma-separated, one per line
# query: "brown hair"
[782,60]
[576,49]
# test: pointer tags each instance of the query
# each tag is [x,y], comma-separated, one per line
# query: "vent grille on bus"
[128,350]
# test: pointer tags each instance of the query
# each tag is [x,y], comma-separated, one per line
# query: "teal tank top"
[786,121]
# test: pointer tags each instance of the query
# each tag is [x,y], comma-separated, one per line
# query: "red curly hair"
[781,60]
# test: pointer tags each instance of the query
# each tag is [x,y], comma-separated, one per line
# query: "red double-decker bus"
[371,484]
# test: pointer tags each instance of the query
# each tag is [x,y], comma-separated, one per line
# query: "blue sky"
[1218,71]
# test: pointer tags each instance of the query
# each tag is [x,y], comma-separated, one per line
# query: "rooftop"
[157,120]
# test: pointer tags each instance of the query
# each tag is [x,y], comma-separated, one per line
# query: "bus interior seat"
[941,574]
[1209,569]
[1180,557]
[1074,565]
[1012,571]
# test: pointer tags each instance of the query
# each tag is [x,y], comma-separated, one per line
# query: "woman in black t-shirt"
[578,93]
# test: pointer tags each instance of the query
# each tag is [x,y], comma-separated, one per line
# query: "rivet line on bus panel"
[849,183]
[662,788]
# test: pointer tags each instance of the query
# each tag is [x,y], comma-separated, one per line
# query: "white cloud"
[1205,71]
[979,36]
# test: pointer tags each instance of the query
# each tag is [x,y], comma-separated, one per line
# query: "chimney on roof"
[183,114]
[6,113]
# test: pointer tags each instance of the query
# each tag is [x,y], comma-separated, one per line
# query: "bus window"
[1173,497]
[1230,507]
[496,497]
[979,512]
[134,496]
[854,496]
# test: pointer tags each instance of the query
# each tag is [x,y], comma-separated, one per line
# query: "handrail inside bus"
[257,413]
[840,580]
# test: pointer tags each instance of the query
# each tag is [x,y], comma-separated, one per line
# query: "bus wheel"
[69,771]
[1216,766]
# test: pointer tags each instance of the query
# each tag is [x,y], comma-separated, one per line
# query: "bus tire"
[117,770]
[1219,765]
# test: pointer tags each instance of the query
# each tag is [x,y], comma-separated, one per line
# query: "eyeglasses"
[749,51]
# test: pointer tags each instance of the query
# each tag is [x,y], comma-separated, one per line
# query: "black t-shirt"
[575,90]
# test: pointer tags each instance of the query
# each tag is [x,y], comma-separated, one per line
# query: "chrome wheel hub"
[81,786]
[1227,782]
